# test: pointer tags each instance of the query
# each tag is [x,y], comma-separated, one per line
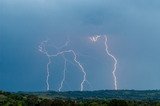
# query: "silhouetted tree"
[116,102]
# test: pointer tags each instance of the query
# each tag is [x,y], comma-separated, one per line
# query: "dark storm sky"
[132,27]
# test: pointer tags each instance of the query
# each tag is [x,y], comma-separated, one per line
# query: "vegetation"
[85,98]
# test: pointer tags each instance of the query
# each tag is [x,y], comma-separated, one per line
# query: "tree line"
[14,99]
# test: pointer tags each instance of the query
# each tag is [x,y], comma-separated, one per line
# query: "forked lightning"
[42,48]
[95,39]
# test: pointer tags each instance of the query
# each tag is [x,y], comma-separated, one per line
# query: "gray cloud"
[132,27]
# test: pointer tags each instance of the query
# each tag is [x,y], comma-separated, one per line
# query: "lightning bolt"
[64,74]
[95,39]
[115,63]
[80,66]
[42,48]
[82,69]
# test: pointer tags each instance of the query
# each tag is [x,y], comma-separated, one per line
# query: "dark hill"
[153,95]
[85,98]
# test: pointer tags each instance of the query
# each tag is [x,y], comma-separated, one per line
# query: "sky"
[132,28]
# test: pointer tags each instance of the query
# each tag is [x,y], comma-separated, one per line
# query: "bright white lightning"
[64,74]
[42,48]
[79,64]
[115,63]
[95,39]
[82,69]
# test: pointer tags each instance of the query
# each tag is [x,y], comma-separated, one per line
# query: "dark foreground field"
[85,98]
